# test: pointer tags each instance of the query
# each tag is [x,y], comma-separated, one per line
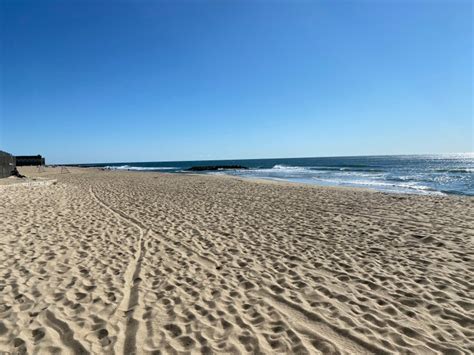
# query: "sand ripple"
[118,262]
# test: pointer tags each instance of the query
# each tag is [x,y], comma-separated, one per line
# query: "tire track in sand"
[316,329]
[129,305]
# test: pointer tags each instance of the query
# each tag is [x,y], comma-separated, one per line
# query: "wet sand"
[128,262]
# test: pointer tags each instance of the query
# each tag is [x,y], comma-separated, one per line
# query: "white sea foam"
[383,185]
[286,169]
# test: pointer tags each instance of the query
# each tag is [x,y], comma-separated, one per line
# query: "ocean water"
[416,174]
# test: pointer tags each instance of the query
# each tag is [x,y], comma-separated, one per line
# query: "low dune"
[125,262]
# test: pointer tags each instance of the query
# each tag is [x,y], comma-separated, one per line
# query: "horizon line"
[279,158]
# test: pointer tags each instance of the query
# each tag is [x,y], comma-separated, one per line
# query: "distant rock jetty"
[216,167]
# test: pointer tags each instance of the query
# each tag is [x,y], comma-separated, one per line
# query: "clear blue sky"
[102,81]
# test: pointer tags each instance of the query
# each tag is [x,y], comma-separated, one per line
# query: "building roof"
[2,153]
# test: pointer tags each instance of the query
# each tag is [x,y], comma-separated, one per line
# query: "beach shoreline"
[283,182]
[438,174]
[102,261]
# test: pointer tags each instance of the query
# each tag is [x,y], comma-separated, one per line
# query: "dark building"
[7,164]
[24,160]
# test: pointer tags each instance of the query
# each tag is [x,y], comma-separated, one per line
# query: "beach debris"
[17,174]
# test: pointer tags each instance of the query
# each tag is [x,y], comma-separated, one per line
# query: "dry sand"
[127,262]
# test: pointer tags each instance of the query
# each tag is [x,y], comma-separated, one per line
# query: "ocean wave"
[343,168]
[408,179]
[280,169]
[382,184]
[347,169]
[138,168]
[288,167]
[458,170]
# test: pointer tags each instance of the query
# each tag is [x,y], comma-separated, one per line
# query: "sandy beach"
[123,262]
